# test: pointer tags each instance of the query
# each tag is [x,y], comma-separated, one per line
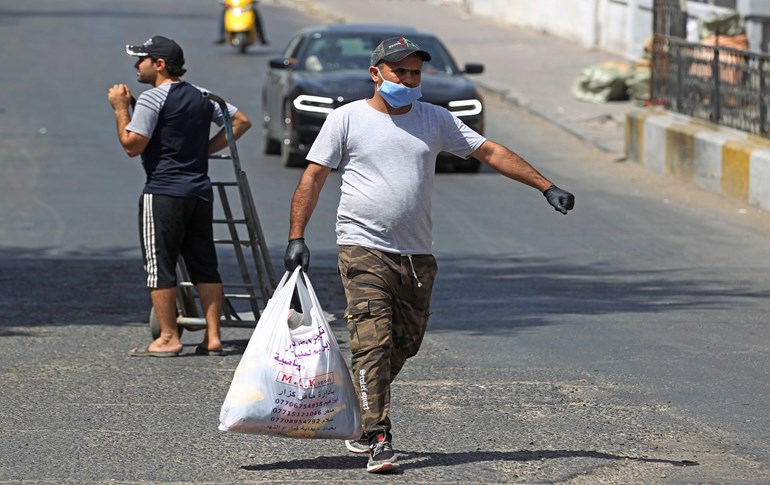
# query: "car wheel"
[470,165]
[271,145]
[288,158]
[446,163]
[243,41]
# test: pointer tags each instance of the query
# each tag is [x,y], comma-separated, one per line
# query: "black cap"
[159,47]
[396,48]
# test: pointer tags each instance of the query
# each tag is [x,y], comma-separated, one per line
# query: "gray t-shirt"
[387,163]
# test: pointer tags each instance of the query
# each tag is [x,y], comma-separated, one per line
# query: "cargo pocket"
[368,324]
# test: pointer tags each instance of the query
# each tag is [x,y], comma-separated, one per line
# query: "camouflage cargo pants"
[388,299]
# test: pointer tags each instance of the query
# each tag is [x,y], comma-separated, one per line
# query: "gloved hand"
[297,254]
[560,199]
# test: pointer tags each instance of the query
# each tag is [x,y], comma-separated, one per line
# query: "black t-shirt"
[176,158]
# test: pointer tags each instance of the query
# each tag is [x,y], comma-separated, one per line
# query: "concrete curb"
[525,103]
[715,158]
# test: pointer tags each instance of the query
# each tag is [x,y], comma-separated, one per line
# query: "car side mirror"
[279,63]
[473,68]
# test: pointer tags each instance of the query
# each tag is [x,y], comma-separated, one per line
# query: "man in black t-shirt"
[170,130]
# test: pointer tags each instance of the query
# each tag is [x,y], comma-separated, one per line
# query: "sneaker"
[357,446]
[381,456]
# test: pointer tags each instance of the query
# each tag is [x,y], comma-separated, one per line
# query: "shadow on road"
[511,293]
[500,294]
[70,289]
[417,460]
[41,287]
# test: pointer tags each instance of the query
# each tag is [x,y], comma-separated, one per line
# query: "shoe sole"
[382,468]
[203,351]
[355,450]
[146,352]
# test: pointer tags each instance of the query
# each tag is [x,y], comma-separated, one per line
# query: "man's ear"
[160,65]
[374,73]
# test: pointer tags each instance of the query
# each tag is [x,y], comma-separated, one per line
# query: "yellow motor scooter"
[240,23]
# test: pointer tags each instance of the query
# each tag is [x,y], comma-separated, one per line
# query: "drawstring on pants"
[414,273]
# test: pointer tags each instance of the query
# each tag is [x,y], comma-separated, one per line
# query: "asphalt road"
[624,343]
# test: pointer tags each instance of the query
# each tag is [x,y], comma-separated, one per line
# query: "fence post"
[679,69]
[717,101]
[762,101]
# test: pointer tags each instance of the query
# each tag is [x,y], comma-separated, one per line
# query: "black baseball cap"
[159,47]
[396,48]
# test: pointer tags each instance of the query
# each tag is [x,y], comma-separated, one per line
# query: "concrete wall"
[618,26]
[574,19]
[756,14]
[718,159]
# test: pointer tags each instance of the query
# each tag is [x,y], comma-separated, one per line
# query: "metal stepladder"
[242,299]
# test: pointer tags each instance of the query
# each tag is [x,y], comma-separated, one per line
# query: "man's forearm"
[122,119]
[514,166]
[240,125]
[305,199]
[218,141]
[302,205]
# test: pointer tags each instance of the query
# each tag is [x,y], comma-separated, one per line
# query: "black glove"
[297,254]
[560,199]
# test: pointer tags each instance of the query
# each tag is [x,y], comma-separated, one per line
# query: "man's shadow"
[416,460]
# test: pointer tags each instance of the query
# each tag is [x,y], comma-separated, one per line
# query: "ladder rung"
[195,323]
[226,221]
[189,284]
[239,285]
[240,296]
[224,184]
[232,241]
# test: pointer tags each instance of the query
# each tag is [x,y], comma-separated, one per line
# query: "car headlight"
[465,107]
[316,104]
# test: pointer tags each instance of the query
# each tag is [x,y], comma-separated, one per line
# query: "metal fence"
[719,84]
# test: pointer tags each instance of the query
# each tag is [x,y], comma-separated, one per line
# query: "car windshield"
[342,52]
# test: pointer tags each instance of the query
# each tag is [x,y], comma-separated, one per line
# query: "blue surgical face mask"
[397,95]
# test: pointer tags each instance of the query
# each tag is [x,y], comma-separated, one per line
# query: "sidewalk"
[522,66]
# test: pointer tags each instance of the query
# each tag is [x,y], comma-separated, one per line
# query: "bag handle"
[310,304]
[280,303]
[278,306]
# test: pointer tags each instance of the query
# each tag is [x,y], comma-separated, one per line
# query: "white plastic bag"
[292,382]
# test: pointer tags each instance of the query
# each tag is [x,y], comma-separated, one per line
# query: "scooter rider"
[258,25]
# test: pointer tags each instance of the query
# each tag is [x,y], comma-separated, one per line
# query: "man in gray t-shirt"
[385,148]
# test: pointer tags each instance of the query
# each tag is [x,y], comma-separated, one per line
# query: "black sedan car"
[325,67]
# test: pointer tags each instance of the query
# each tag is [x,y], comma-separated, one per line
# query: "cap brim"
[398,56]
[136,50]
